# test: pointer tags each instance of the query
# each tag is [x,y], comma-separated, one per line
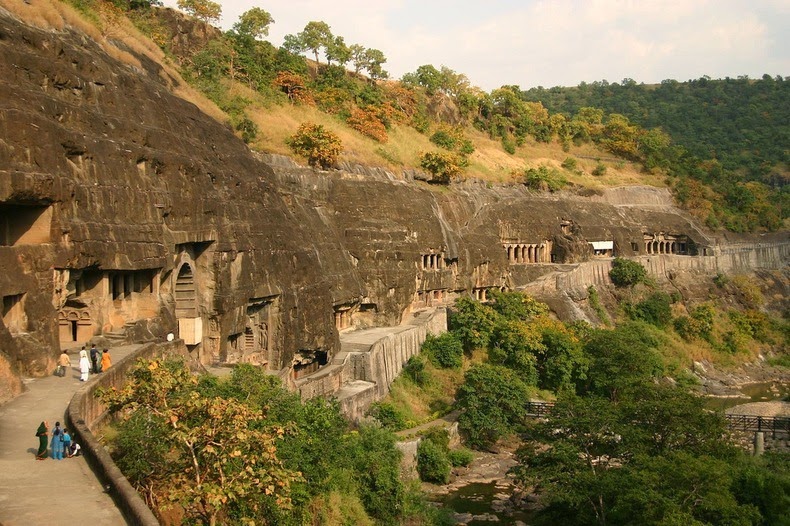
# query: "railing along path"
[776,425]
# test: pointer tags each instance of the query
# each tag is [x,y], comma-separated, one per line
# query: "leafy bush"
[443,166]
[508,145]
[655,309]
[415,370]
[466,147]
[388,415]
[320,146]
[570,164]
[444,350]
[472,323]
[460,457]
[294,87]
[720,280]
[248,129]
[752,323]
[432,463]
[376,463]
[544,179]
[493,400]
[443,139]
[517,305]
[367,122]
[698,325]
[599,170]
[627,273]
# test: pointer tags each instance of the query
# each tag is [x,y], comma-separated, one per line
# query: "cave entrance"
[186,302]
[24,224]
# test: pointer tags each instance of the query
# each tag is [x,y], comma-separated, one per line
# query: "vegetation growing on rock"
[247,76]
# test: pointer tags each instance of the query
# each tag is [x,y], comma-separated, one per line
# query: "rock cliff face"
[127,214]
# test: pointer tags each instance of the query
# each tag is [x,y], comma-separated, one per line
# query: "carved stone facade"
[663,243]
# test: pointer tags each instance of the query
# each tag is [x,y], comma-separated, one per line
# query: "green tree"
[316,35]
[493,402]
[358,58]
[426,76]
[444,350]
[205,10]
[376,463]
[337,50]
[374,60]
[656,309]
[516,344]
[627,273]
[472,323]
[620,359]
[254,22]
[320,146]
[517,305]
[563,364]
[658,458]
[219,455]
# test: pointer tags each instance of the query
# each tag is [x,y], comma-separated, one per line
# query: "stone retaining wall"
[729,258]
[86,413]
[378,363]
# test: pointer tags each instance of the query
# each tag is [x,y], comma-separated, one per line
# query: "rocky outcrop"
[128,214]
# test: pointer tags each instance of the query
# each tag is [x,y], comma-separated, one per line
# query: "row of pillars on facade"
[432,261]
[343,319]
[661,247]
[529,253]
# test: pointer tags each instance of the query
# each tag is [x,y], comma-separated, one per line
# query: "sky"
[548,43]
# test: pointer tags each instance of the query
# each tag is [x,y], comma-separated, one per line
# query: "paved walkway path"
[49,491]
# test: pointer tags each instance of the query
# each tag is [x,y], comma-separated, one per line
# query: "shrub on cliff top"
[320,146]
[627,273]
[444,350]
[443,166]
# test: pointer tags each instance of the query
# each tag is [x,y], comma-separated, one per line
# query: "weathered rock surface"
[127,214]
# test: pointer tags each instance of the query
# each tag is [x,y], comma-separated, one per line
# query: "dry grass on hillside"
[277,122]
[108,30]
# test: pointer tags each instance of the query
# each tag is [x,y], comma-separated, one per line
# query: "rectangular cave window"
[116,282]
[634,247]
[14,313]
[24,225]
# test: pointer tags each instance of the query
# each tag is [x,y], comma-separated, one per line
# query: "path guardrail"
[776,425]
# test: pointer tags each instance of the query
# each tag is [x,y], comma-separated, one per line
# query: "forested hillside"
[720,144]
[743,123]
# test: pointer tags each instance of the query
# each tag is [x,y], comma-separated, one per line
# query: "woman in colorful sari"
[41,454]
[106,360]
[57,442]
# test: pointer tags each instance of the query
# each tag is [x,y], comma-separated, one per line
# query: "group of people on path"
[99,361]
[61,443]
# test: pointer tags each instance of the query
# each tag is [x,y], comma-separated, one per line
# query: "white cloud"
[558,42]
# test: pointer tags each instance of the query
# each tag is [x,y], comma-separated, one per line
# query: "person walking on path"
[95,358]
[106,360]
[64,363]
[41,433]
[66,443]
[85,366]
[57,442]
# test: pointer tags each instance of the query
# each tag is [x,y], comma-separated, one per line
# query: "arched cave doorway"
[186,302]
